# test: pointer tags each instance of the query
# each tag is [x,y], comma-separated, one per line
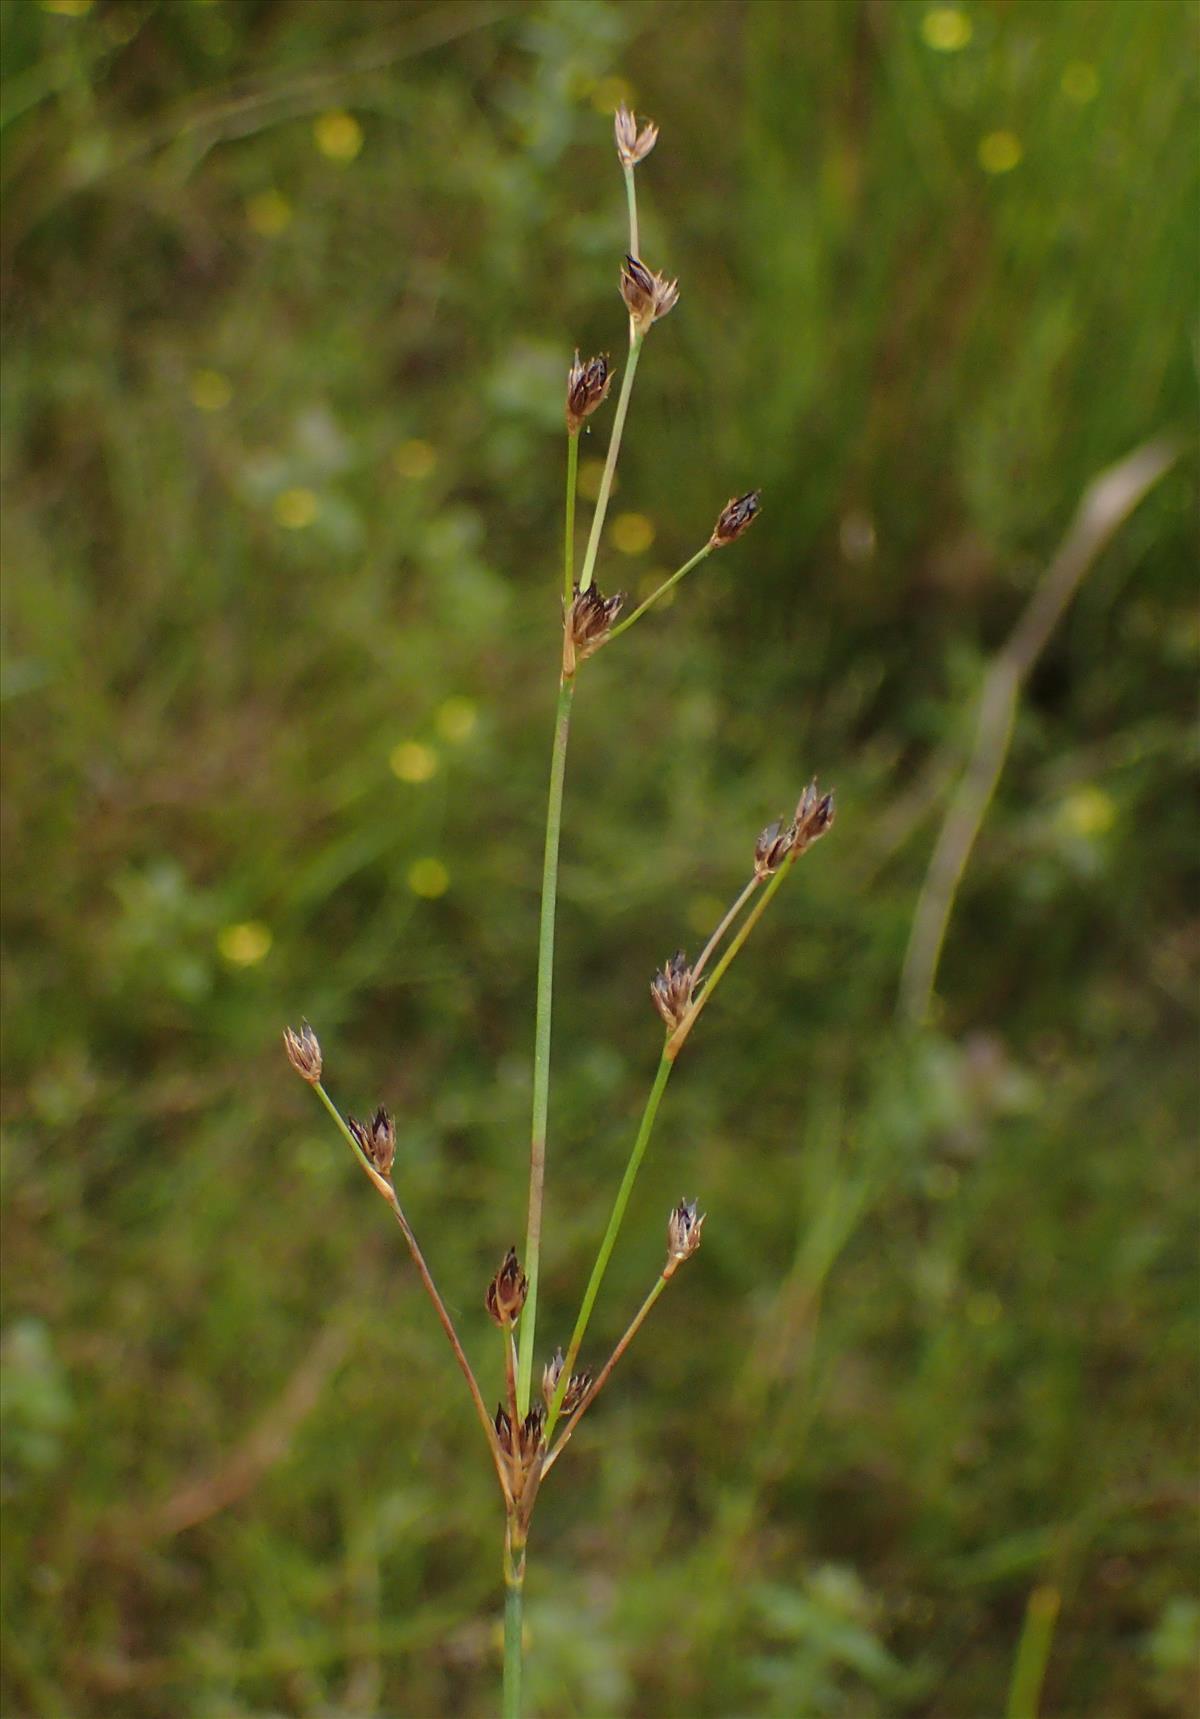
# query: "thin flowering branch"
[734,519]
[684,1228]
[382,1181]
[814,816]
[714,941]
[602,1378]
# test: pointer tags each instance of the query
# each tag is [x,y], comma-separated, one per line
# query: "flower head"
[587,385]
[647,295]
[671,990]
[376,1140]
[506,1292]
[683,1233]
[633,145]
[304,1052]
[735,517]
[587,623]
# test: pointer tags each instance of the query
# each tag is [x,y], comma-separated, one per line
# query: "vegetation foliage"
[290,292]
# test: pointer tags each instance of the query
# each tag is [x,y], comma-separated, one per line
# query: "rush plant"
[531,1428]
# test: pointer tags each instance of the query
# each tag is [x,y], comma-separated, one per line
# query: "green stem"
[569,548]
[610,1236]
[666,585]
[699,966]
[541,1044]
[610,463]
[631,199]
[514,1607]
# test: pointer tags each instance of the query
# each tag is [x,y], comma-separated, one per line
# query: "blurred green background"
[290,291]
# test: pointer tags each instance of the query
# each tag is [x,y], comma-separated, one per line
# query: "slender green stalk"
[514,1607]
[541,1045]
[644,1132]
[635,1326]
[702,962]
[631,199]
[678,1038]
[610,463]
[569,547]
[623,626]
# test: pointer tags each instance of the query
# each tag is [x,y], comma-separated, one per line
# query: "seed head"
[772,848]
[587,386]
[683,1233]
[647,295]
[304,1053]
[671,990]
[376,1140]
[814,815]
[586,625]
[577,1386]
[506,1292]
[633,145]
[735,517]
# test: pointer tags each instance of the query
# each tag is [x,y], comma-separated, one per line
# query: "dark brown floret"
[587,386]
[735,517]
[506,1292]
[587,624]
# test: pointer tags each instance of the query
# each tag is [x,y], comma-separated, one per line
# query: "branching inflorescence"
[526,1438]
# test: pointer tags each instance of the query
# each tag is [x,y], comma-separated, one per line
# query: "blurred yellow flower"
[946,29]
[455,720]
[412,761]
[590,473]
[268,213]
[1080,82]
[1087,811]
[999,152]
[67,8]
[338,135]
[632,533]
[428,878]
[244,945]
[295,508]
[414,459]
[210,391]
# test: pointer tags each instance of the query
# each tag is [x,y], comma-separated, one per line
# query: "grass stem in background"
[1033,1653]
